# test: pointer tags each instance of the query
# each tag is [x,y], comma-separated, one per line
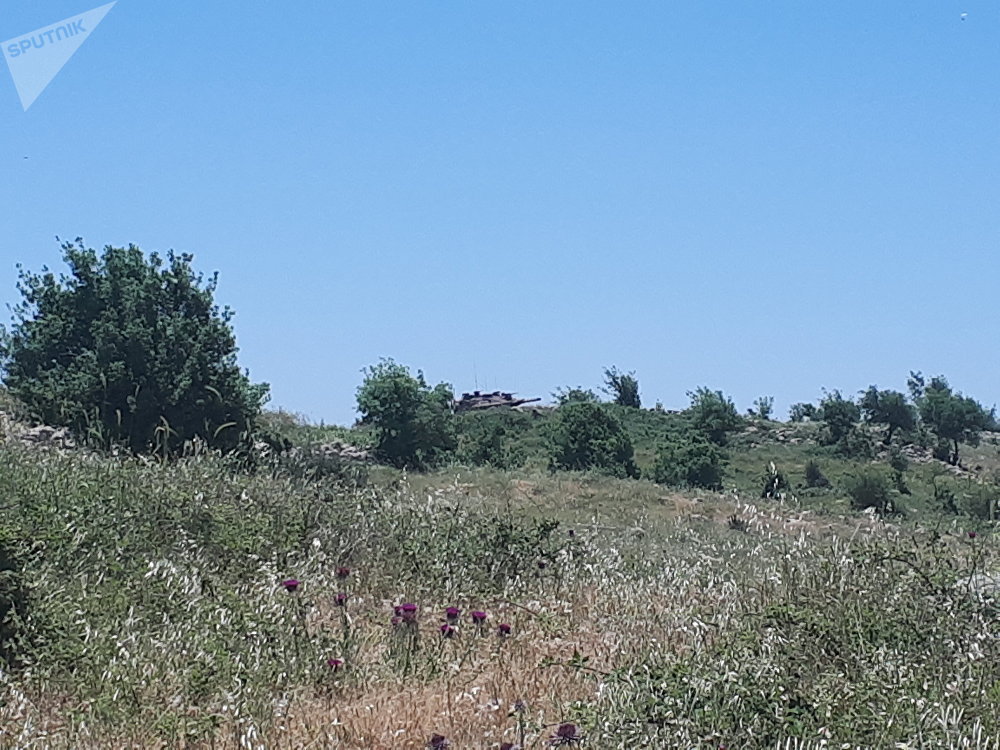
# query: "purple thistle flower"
[291,584]
[335,664]
[341,600]
[541,564]
[448,631]
[503,628]
[972,535]
[396,621]
[452,614]
[478,617]
[438,742]
[343,572]
[565,735]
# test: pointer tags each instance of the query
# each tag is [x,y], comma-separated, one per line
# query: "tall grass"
[161,613]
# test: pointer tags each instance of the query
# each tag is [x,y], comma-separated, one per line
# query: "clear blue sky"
[765,198]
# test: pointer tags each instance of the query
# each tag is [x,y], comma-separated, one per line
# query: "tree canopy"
[952,416]
[889,408]
[129,350]
[413,423]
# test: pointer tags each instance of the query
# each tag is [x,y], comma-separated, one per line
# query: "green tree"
[714,414]
[689,460]
[869,488]
[489,438]
[801,412]
[129,351]
[413,424]
[841,415]
[587,436]
[578,395]
[889,408]
[952,416]
[622,387]
[763,406]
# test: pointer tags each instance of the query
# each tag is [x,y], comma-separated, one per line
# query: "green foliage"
[13,599]
[889,408]
[490,438]
[689,460]
[714,414]
[856,443]
[820,657]
[802,411]
[951,416]
[899,463]
[578,395]
[412,423]
[840,415]
[587,436]
[814,476]
[129,351]
[869,488]
[622,387]
[763,407]
[773,481]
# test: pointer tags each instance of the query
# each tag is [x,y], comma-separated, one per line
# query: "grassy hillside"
[159,611]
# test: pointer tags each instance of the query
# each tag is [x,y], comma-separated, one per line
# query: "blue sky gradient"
[761,198]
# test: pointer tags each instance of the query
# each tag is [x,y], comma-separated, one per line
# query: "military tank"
[495,400]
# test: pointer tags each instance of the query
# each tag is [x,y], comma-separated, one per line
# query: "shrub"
[855,443]
[763,406]
[587,436]
[488,438]
[13,599]
[129,351]
[689,460]
[413,424]
[714,414]
[578,395]
[773,480]
[869,488]
[899,464]
[839,414]
[814,476]
[801,412]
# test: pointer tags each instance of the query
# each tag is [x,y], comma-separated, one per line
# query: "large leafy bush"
[587,436]
[129,350]
[413,424]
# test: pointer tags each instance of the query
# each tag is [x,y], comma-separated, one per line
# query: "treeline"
[133,352]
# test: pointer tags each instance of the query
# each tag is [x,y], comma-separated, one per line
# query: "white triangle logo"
[35,58]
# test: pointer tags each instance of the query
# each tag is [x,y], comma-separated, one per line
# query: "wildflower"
[452,613]
[447,631]
[341,600]
[541,564]
[291,584]
[503,629]
[509,746]
[438,742]
[407,611]
[478,617]
[342,572]
[566,734]
[335,664]
[396,621]
[972,535]
[571,532]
